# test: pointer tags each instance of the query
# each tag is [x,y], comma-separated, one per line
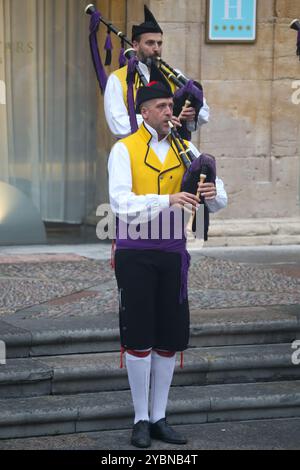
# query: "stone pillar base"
[254,232]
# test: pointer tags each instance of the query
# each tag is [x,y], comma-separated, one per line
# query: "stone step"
[87,373]
[56,415]
[212,327]
[265,434]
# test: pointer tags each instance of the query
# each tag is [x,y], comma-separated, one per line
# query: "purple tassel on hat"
[108,47]
[100,72]
[122,58]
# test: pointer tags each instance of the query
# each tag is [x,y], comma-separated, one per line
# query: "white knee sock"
[162,370]
[138,370]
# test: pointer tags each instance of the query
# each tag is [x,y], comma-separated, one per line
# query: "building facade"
[55,142]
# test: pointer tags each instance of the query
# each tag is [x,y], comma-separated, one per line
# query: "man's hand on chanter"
[176,122]
[188,114]
[208,191]
[185,200]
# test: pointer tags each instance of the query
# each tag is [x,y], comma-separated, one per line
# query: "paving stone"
[213,283]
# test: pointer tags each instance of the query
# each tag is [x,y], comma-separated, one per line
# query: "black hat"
[149,26]
[152,91]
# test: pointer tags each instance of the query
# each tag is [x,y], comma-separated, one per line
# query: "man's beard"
[148,60]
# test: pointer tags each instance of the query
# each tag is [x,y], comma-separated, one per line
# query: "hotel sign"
[231,21]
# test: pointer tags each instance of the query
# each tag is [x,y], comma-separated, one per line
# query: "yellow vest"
[121,74]
[149,175]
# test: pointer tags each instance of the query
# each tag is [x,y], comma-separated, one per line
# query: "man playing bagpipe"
[147,39]
[148,182]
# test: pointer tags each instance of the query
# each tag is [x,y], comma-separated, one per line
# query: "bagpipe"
[295,24]
[189,93]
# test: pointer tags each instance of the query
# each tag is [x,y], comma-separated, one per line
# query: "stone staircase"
[63,376]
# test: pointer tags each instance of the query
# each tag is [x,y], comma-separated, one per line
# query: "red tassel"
[121,358]
[181,360]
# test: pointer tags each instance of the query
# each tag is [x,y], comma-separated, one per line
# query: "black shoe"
[141,434]
[163,432]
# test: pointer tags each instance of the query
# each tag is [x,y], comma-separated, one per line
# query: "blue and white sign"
[231,20]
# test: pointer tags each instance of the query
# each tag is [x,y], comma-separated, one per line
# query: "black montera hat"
[152,91]
[149,26]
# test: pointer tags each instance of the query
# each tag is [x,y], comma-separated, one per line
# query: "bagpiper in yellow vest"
[149,175]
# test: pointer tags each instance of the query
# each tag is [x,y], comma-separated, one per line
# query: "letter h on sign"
[233,9]
[231,21]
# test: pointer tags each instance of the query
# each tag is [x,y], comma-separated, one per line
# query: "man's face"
[149,45]
[157,113]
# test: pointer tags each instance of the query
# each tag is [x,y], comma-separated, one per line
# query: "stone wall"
[254,129]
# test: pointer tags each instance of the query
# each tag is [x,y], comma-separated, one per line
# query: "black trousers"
[151,315]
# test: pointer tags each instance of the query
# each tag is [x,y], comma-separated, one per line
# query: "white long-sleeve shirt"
[126,203]
[117,114]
